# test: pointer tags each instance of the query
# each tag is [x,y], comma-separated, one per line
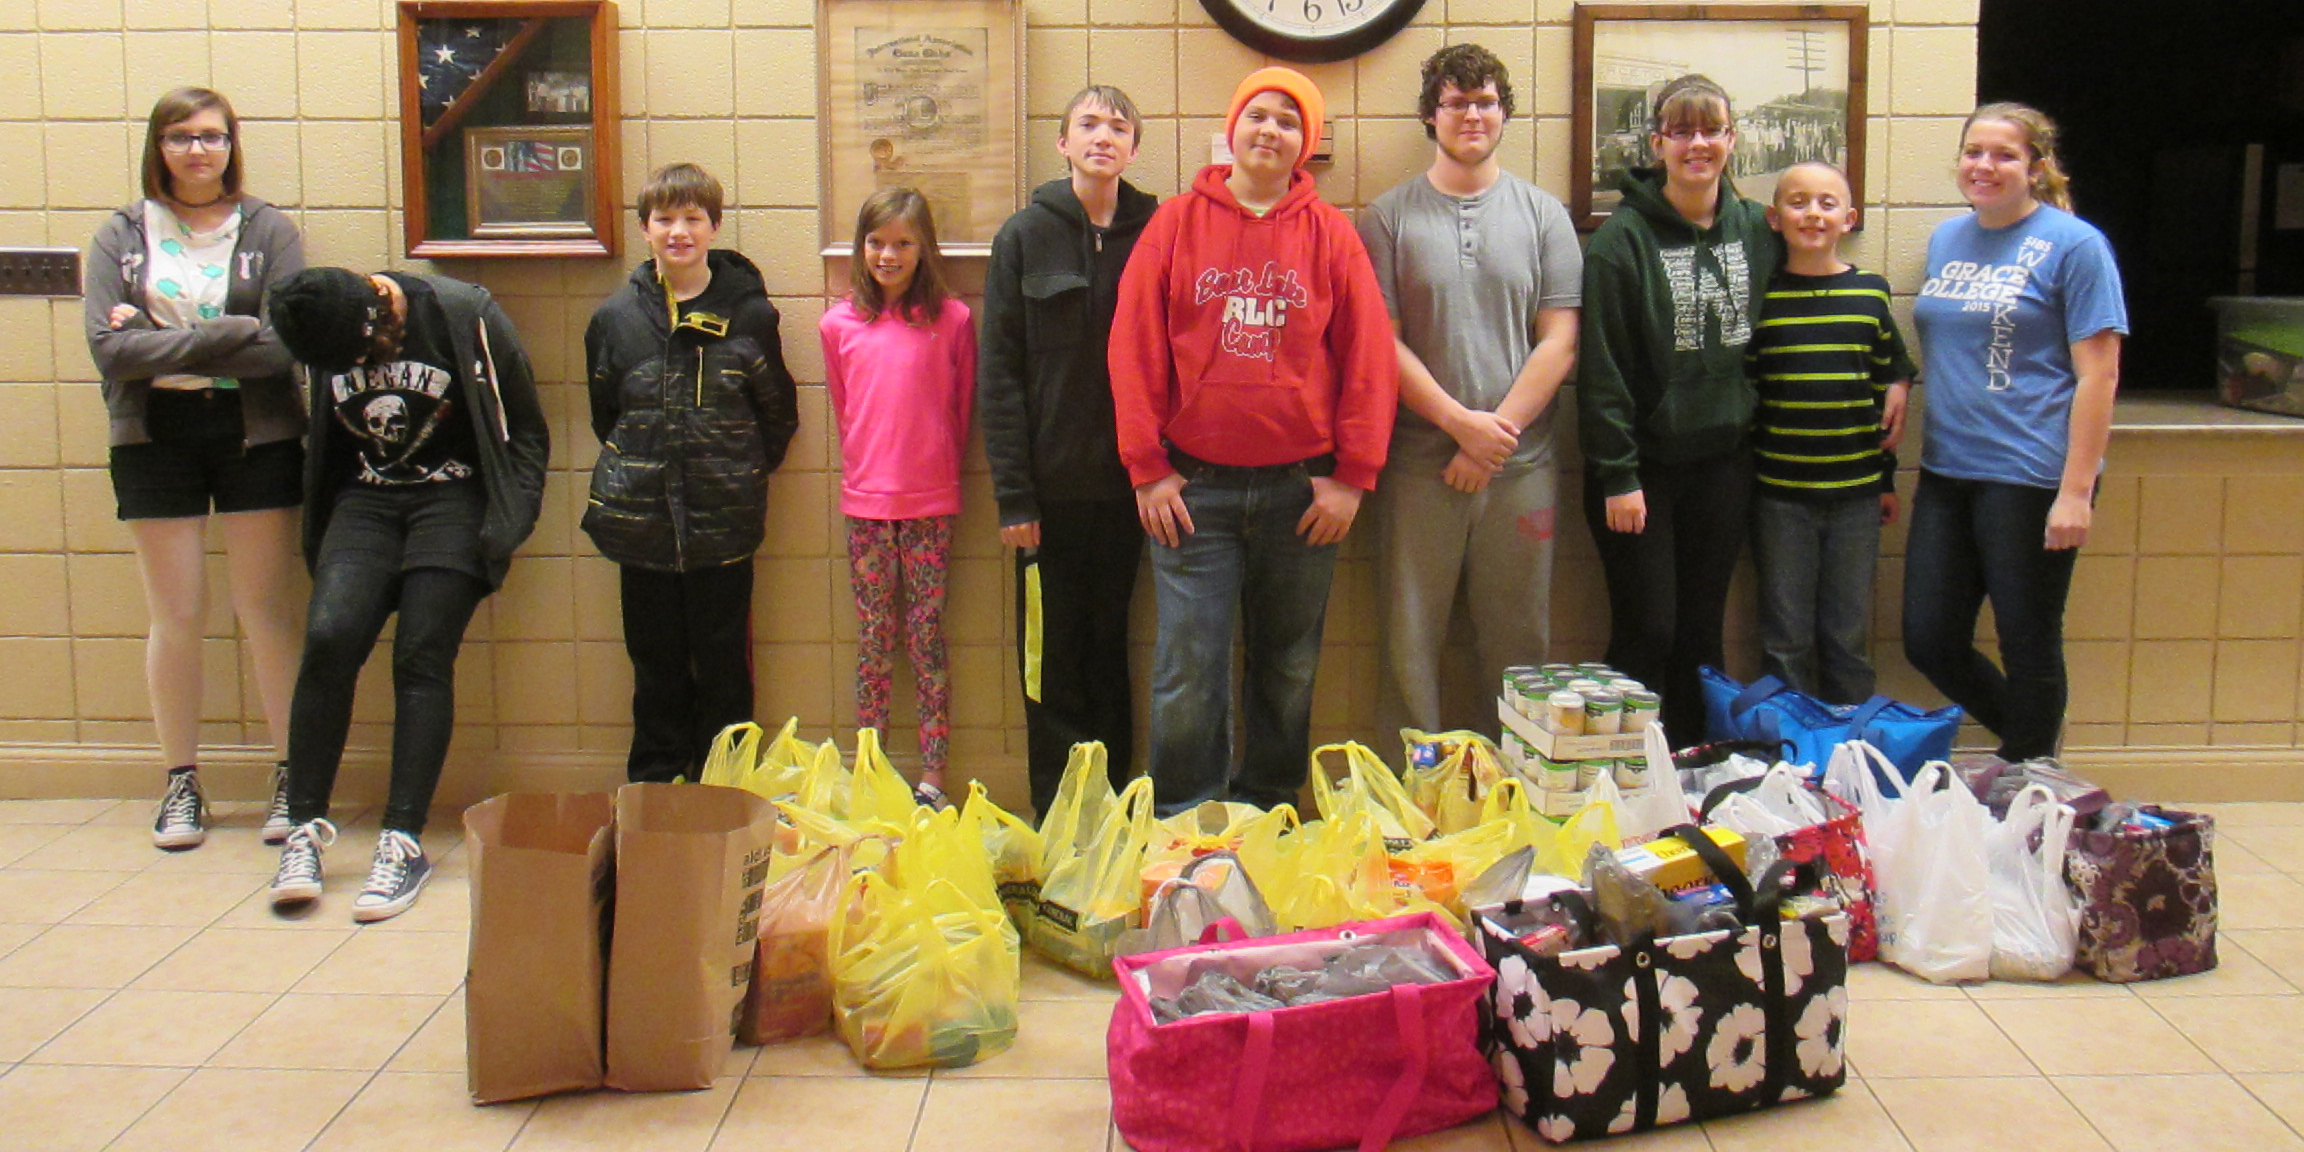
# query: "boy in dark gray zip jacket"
[1044,400]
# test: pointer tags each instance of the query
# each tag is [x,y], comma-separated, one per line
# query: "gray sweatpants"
[1430,539]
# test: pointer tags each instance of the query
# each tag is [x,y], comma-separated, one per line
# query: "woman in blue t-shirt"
[2020,324]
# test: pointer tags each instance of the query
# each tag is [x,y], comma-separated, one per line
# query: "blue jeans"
[1815,561]
[1972,540]
[1243,561]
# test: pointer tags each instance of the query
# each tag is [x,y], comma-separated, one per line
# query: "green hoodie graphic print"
[1668,309]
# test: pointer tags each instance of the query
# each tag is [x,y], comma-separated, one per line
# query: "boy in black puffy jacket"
[694,408]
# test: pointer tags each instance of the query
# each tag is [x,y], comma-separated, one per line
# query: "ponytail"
[2049,183]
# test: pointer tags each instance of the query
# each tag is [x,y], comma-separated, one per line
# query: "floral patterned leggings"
[917,554]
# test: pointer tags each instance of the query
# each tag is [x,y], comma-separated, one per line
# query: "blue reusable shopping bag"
[1805,729]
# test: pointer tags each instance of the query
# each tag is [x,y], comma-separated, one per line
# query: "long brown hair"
[923,299]
[2049,183]
[175,108]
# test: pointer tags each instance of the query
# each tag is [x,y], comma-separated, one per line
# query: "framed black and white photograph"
[1794,72]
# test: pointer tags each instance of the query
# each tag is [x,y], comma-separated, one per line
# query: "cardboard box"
[1613,747]
[1673,866]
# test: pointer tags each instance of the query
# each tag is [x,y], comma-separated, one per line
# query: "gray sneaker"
[394,880]
[183,818]
[276,822]
[298,879]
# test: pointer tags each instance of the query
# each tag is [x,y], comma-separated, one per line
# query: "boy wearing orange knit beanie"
[1254,385]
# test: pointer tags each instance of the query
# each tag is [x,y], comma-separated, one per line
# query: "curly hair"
[1468,67]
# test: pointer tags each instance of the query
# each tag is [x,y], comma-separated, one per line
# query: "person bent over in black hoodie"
[694,408]
[423,470]
[1044,398]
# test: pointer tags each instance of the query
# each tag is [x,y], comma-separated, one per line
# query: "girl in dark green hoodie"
[1672,285]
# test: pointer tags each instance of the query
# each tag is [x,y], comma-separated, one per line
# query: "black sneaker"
[183,819]
[394,880]
[930,797]
[298,879]
[276,822]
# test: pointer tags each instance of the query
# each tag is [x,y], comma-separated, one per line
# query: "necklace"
[210,202]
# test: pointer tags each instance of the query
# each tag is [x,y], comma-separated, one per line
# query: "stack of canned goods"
[1589,699]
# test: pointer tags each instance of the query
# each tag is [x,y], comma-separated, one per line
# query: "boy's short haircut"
[1467,66]
[1777,197]
[1112,99]
[680,186]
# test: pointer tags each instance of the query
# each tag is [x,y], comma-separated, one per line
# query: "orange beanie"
[1296,86]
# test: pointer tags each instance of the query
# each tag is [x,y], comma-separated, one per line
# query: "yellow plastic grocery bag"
[1014,848]
[1449,773]
[1325,873]
[922,978]
[1092,893]
[827,783]
[876,790]
[1083,796]
[773,770]
[940,847]
[729,762]
[1369,786]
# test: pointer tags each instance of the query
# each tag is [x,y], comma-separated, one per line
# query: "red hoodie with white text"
[1252,340]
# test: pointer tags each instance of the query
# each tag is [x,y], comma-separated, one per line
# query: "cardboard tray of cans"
[1615,746]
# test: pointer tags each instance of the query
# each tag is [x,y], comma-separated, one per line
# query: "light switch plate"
[39,272]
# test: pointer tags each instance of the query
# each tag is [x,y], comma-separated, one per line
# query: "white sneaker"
[394,880]
[183,818]
[298,879]
[276,822]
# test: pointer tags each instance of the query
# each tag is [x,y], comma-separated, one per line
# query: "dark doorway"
[2178,119]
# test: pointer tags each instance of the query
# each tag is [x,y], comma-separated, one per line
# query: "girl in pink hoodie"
[900,367]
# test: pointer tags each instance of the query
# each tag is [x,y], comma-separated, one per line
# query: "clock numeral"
[1312,10]
[1348,7]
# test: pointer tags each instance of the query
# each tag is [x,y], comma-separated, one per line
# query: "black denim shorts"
[196,462]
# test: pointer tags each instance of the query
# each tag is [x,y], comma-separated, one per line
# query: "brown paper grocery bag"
[690,863]
[542,875]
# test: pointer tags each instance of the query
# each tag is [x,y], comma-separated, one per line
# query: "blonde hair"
[923,299]
[2049,183]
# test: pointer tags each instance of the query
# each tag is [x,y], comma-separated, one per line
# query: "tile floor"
[153,1001]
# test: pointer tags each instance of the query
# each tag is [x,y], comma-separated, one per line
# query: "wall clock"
[1312,31]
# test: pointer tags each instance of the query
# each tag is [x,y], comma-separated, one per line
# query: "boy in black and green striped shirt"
[1832,375]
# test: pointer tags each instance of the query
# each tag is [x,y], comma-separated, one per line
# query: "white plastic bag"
[1934,884]
[1643,813]
[1779,804]
[1187,905]
[2035,923]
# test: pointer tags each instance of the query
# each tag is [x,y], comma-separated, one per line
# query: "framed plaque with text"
[925,94]
[508,127]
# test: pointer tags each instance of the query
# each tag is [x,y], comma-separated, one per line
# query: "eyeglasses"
[182,142]
[1684,135]
[1460,107]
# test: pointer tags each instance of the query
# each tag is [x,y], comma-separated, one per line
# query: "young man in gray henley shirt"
[1482,275]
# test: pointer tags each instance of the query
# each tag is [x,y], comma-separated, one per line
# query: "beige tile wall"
[732,85]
